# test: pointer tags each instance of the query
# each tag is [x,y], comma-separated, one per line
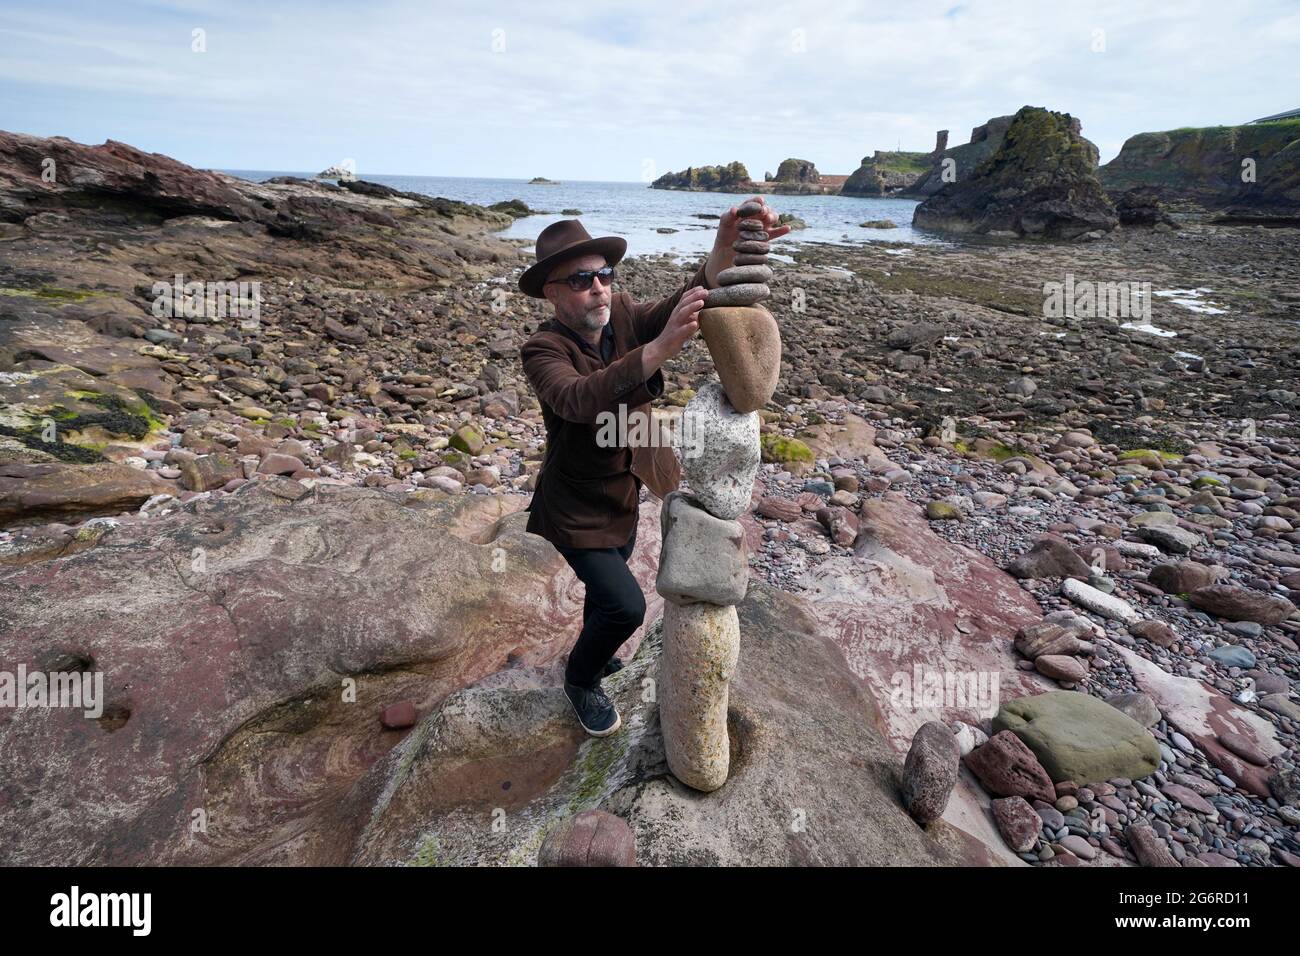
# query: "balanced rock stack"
[703,575]
[745,283]
[703,568]
[740,334]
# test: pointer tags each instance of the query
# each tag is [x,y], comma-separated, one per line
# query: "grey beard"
[588,322]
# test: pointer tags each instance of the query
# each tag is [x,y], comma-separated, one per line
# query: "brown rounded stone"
[743,245]
[399,715]
[746,347]
[930,771]
[1018,822]
[1008,768]
[1061,667]
[590,838]
[779,509]
[751,259]
[738,274]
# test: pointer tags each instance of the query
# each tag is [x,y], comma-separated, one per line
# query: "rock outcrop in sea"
[886,173]
[794,177]
[728,178]
[1040,182]
[893,172]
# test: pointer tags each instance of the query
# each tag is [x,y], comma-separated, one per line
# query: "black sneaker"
[612,666]
[596,712]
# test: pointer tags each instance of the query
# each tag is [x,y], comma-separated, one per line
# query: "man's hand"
[681,327]
[723,256]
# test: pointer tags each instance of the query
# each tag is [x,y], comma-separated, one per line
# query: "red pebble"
[399,715]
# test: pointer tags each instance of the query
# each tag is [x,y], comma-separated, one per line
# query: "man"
[602,356]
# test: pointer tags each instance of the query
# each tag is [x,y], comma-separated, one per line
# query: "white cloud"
[582,92]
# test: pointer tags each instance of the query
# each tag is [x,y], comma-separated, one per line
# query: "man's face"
[586,311]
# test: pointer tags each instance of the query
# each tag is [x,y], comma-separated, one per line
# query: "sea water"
[637,213]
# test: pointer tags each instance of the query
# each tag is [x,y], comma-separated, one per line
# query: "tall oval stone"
[930,771]
[746,347]
[700,650]
[720,452]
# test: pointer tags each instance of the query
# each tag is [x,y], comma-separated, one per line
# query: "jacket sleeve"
[649,318]
[581,398]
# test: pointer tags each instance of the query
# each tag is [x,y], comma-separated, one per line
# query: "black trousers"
[612,610]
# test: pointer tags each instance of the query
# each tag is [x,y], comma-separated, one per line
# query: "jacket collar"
[606,337]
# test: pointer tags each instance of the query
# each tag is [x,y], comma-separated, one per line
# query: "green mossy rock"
[886,172]
[942,511]
[1078,737]
[468,439]
[1204,167]
[785,451]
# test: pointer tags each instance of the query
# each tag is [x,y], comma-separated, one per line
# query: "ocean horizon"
[655,221]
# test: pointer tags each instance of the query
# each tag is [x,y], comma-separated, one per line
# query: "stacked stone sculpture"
[703,568]
[703,575]
[740,334]
[745,283]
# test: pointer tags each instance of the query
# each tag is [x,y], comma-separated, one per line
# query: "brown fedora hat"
[566,239]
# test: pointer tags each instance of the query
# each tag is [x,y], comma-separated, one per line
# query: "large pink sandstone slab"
[228,637]
[807,785]
[1201,714]
[249,644]
[910,604]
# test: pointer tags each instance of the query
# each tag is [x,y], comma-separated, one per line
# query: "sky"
[622,92]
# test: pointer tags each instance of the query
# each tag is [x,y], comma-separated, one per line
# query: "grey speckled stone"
[736,274]
[702,557]
[720,452]
[744,293]
[930,771]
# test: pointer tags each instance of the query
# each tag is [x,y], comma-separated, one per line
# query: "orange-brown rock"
[746,347]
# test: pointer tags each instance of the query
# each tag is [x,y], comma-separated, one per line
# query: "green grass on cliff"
[1271,124]
[893,161]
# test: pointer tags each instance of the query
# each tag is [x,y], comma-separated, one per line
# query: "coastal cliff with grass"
[1248,171]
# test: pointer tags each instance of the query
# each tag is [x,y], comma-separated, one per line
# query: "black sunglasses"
[581,281]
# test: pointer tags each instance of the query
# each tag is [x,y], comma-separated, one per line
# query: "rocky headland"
[292,542]
[1248,173]
[894,172]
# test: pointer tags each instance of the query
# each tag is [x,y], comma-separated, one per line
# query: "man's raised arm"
[581,398]
[649,318]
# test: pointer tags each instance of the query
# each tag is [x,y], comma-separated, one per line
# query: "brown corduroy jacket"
[586,496]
